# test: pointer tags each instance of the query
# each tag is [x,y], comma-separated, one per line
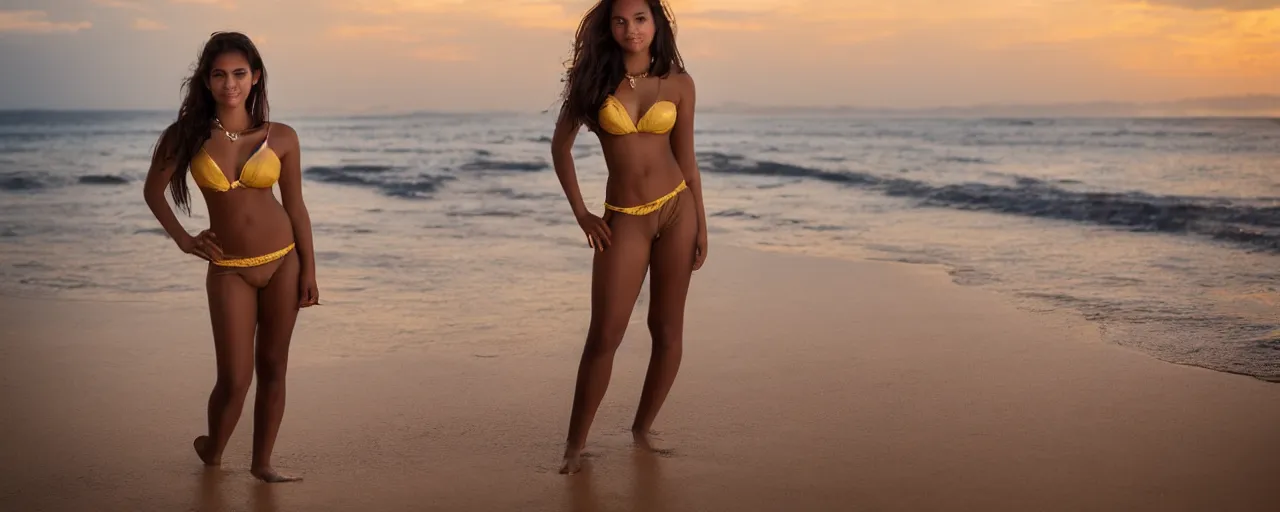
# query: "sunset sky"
[394,55]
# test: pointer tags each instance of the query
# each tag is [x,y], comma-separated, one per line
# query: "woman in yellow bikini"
[261,262]
[628,85]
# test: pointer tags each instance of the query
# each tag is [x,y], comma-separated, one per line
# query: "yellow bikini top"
[615,119]
[261,170]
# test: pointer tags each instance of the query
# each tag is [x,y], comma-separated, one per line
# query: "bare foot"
[203,446]
[572,462]
[270,476]
[644,441]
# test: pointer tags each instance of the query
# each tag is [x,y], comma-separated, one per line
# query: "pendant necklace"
[232,136]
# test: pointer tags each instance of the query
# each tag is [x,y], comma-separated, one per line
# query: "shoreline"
[853,254]
[878,385]
[862,253]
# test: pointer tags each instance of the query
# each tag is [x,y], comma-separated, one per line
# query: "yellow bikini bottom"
[256,260]
[649,207]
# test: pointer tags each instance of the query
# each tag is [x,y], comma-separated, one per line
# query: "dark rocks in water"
[494,165]
[1254,227]
[380,177]
[18,183]
[103,179]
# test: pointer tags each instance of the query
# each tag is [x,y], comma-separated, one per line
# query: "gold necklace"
[632,78]
[232,136]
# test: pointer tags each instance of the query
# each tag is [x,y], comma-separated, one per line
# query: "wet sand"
[808,384]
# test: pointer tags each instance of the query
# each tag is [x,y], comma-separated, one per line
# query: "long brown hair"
[183,138]
[597,65]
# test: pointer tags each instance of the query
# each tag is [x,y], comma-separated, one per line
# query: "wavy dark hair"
[185,137]
[597,65]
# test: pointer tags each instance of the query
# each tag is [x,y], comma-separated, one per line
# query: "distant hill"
[1257,105]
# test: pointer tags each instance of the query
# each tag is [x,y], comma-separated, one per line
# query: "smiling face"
[632,25]
[231,79]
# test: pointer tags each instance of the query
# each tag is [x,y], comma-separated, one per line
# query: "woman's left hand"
[700,250]
[308,292]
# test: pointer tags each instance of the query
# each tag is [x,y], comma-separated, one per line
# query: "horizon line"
[1272,110]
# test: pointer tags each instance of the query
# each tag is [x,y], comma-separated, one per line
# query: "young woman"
[627,84]
[261,262]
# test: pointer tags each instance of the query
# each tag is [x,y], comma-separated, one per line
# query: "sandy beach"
[807,384]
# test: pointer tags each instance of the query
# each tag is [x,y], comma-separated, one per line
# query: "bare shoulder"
[282,132]
[169,135]
[683,83]
[283,136]
[167,144]
[683,80]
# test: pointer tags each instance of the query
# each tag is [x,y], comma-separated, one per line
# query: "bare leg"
[670,270]
[617,274]
[277,313]
[232,310]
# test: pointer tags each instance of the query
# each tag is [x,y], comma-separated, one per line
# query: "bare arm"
[682,145]
[286,138]
[158,175]
[562,159]
[595,228]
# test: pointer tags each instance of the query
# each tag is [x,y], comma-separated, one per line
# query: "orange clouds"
[145,24]
[383,32]
[1185,37]
[416,43]
[715,24]
[224,4]
[443,53]
[901,52]
[545,14]
[120,4]
[37,22]
[1235,45]
[400,6]
[1222,5]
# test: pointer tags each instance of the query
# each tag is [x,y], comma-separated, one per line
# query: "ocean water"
[1164,231]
